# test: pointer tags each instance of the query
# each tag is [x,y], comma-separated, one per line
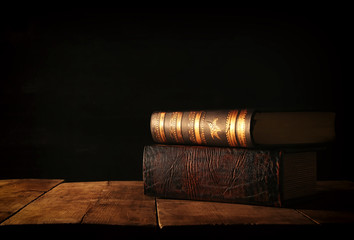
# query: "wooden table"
[120,207]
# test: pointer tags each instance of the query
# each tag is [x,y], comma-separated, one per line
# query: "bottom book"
[234,175]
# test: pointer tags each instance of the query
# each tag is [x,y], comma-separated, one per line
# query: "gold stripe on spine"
[161,127]
[231,128]
[198,137]
[202,124]
[191,133]
[241,128]
[179,127]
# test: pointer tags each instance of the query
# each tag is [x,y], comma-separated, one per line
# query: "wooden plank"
[192,213]
[65,204]
[333,203]
[123,203]
[111,203]
[17,193]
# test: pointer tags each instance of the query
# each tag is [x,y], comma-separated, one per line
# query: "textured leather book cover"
[242,128]
[219,128]
[212,174]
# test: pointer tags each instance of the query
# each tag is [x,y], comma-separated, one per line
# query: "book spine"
[212,174]
[231,128]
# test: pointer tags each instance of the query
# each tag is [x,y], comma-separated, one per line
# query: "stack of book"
[235,156]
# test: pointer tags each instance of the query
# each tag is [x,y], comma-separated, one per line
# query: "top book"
[242,128]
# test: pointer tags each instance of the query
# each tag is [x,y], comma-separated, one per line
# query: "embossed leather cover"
[243,128]
[213,128]
[212,174]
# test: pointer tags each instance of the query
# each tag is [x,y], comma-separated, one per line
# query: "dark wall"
[78,86]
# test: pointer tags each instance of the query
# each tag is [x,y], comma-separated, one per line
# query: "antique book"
[242,128]
[235,175]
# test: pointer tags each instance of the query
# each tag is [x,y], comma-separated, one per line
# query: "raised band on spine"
[162,127]
[241,128]
[198,137]
[231,128]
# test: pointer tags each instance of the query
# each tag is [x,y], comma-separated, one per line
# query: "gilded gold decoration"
[179,127]
[191,133]
[202,124]
[230,128]
[193,127]
[214,129]
[161,127]
[155,126]
[241,128]
[197,127]
[173,126]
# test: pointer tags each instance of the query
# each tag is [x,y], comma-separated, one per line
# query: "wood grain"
[123,203]
[192,213]
[112,203]
[17,193]
[67,203]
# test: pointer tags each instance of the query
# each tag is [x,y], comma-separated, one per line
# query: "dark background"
[78,85]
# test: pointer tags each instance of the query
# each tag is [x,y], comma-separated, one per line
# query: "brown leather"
[212,174]
[231,128]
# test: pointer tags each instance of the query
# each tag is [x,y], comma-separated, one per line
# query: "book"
[242,128]
[225,174]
